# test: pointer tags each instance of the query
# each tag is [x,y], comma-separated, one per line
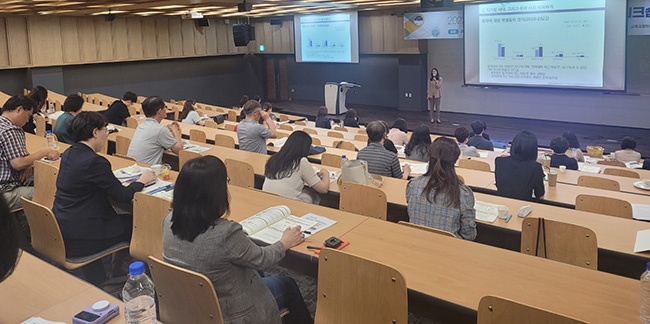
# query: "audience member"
[85,183]
[151,138]
[71,107]
[351,119]
[574,150]
[189,115]
[397,133]
[418,146]
[627,152]
[388,144]
[268,108]
[485,135]
[519,176]
[462,136]
[288,171]
[197,236]
[322,120]
[39,96]
[118,111]
[16,164]
[244,99]
[560,146]
[10,239]
[252,136]
[439,199]
[477,140]
[381,161]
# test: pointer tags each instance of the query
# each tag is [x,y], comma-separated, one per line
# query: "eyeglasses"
[227,179]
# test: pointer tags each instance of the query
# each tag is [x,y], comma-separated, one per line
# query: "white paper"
[38,320]
[55,115]
[485,211]
[334,175]
[483,154]
[417,168]
[642,242]
[321,223]
[588,168]
[273,233]
[195,148]
[641,211]
[633,165]
[128,172]
[264,218]
[279,142]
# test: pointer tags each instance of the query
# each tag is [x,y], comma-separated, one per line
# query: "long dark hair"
[524,146]
[572,138]
[443,154]
[420,140]
[200,197]
[400,124]
[437,77]
[282,164]
[39,95]
[187,107]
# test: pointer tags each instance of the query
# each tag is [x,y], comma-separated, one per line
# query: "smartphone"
[98,313]
[333,242]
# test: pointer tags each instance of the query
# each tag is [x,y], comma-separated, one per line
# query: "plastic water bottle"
[138,296]
[52,143]
[344,160]
[644,310]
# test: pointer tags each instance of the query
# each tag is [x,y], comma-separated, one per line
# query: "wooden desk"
[627,184]
[462,272]
[87,106]
[37,288]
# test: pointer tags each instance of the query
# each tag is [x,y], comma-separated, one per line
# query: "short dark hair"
[266,106]
[130,96]
[376,131]
[151,105]
[572,139]
[478,126]
[251,106]
[200,197]
[628,143]
[559,145]
[322,111]
[18,101]
[83,125]
[524,146]
[461,133]
[10,239]
[244,99]
[400,124]
[352,113]
[73,103]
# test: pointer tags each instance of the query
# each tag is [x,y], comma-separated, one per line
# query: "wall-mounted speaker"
[276,22]
[203,22]
[241,34]
[109,17]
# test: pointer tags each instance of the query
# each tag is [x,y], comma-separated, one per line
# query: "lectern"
[335,94]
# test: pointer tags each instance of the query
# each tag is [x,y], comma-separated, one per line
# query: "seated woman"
[574,150]
[351,119]
[71,107]
[189,115]
[197,236]
[418,146]
[519,175]
[322,120]
[288,171]
[627,152]
[438,198]
[398,131]
[85,183]
[560,146]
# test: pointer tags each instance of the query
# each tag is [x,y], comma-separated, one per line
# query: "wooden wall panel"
[377,32]
[287,35]
[18,40]
[4,48]
[87,40]
[70,40]
[211,38]
[149,49]
[134,38]
[200,42]
[175,38]
[223,45]
[104,37]
[45,39]
[390,31]
[276,38]
[365,34]
[266,35]
[292,39]
[162,37]
[120,39]
[187,30]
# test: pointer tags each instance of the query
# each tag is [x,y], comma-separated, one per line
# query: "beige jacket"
[433,90]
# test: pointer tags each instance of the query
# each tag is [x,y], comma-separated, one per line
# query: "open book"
[268,225]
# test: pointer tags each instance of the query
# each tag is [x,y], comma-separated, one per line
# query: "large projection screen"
[330,38]
[578,44]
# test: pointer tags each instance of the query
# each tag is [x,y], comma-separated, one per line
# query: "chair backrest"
[363,200]
[315,141]
[211,124]
[224,140]
[104,148]
[286,127]
[53,123]
[122,156]
[282,135]
[132,111]
[122,144]
[330,159]
[148,215]
[57,106]
[334,134]
[45,175]
[232,115]
[341,129]
[622,173]
[197,135]
[496,310]
[599,183]
[40,125]
[353,289]
[45,232]
[474,165]
[131,122]
[301,123]
[310,131]
[362,131]
[229,127]
[612,163]
[427,228]
[563,242]
[344,145]
[284,118]
[184,296]
[184,156]
[604,205]
[241,173]
[361,137]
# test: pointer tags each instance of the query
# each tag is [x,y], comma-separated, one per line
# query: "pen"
[307,232]
[165,188]
[314,247]
[508,218]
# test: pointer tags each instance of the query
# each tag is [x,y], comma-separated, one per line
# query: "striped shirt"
[12,146]
[380,160]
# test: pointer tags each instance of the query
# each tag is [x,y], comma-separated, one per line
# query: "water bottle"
[344,160]
[138,296]
[52,143]
[645,295]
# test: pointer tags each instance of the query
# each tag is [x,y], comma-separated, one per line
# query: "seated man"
[380,160]
[150,138]
[462,136]
[119,109]
[560,145]
[71,107]
[252,136]
[16,164]
[478,141]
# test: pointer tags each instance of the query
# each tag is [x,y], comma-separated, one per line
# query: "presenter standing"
[433,95]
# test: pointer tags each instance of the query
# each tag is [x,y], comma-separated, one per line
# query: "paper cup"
[503,212]
[157,169]
[562,168]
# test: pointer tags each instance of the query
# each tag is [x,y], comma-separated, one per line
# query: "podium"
[335,94]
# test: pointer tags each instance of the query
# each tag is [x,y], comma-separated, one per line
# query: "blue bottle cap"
[647,266]
[49,131]
[343,156]
[136,268]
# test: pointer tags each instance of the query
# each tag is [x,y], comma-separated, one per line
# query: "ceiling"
[219,8]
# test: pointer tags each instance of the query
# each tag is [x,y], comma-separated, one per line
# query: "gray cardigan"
[230,259]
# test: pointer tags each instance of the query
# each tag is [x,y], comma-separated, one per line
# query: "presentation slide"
[552,43]
[327,38]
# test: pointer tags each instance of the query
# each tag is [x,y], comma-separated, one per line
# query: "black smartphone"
[86,316]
